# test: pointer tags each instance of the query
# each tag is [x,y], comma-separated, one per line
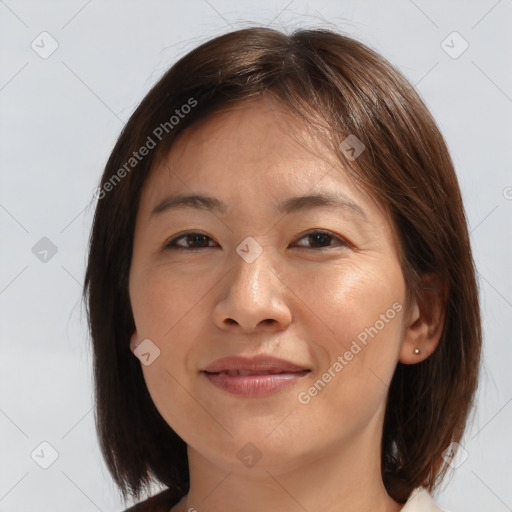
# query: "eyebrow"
[289,205]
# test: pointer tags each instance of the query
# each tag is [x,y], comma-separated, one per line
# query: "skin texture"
[302,299]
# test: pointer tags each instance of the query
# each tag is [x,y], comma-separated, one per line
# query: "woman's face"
[316,285]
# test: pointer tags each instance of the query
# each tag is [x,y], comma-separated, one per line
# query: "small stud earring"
[416,351]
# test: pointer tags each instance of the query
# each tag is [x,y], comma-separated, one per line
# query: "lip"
[259,363]
[253,376]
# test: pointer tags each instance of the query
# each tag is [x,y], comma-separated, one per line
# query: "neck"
[343,478]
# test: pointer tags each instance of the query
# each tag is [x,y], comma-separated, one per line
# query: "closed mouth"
[256,365]
[245,373]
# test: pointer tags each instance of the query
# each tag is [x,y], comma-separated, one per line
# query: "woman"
[280,286]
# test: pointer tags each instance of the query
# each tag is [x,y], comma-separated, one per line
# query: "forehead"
[256,147]
[259,130]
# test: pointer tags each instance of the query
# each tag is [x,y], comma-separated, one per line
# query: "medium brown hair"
[343,87]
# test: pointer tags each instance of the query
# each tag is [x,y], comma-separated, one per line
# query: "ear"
[425,323]
[134,341]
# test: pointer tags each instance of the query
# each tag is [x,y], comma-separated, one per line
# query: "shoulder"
[161,502]
[420,501]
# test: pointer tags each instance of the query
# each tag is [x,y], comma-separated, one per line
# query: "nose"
[253,298]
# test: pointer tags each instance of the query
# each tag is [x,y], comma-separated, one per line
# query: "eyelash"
[171,244]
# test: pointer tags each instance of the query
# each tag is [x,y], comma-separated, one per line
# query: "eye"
[195,241]
[322,239]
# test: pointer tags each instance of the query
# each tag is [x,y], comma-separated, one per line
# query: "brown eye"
[193,242]
[323,239]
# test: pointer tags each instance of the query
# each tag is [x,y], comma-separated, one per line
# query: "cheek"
[355,317]
[163,302]
[346,298]
[165,306]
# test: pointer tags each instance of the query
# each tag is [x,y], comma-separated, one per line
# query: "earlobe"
[134,341]
[425,325]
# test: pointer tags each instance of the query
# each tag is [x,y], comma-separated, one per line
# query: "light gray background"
[60,117]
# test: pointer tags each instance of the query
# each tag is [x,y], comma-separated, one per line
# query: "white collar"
[420,501]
